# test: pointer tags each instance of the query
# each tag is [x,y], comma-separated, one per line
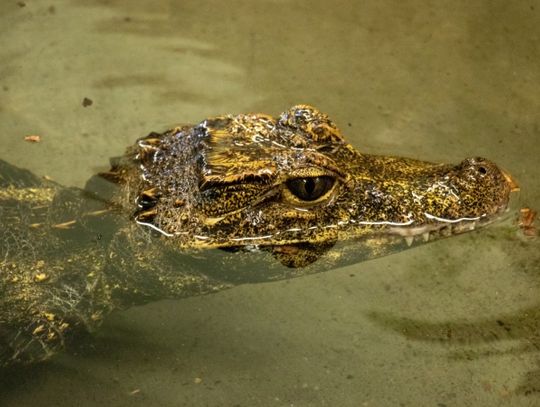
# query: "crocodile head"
[292,185]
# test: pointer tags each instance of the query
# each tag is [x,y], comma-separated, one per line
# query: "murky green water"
[453,323]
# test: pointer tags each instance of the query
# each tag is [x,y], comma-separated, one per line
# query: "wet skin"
[281,197]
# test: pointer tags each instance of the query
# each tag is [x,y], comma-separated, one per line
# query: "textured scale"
[283,197]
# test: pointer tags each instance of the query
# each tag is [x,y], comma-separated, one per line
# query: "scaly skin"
[256,186]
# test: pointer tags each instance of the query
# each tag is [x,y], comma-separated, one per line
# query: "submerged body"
[280,197]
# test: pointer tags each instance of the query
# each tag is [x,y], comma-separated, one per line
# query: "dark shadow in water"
[118,364]
[86,370]
[485,337]
[523,326]
[119,343]
[67,380]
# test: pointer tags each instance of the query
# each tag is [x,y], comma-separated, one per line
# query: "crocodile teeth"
[409,240]
[425,236]
[446,231]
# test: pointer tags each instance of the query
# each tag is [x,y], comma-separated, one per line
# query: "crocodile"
[197,209]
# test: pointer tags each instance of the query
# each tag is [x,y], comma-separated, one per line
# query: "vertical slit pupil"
[310,188]
[309,185]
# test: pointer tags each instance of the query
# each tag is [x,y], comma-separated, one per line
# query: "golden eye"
[310,188]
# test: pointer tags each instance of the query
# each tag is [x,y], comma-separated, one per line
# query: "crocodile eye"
[310,188]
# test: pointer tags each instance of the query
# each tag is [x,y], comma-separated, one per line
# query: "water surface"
[453,323]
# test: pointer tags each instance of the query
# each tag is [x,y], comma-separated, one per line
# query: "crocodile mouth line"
[443,227]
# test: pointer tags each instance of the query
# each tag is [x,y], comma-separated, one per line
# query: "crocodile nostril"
[477,165]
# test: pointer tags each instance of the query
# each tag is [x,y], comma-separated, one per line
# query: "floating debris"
[65,225]
[87,102]
[32,138]
[527,216]
[40,277]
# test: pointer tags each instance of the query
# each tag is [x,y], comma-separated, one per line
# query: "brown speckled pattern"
[69,257]
[229,175]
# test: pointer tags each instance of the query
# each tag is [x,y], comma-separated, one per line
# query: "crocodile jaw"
[226,183]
